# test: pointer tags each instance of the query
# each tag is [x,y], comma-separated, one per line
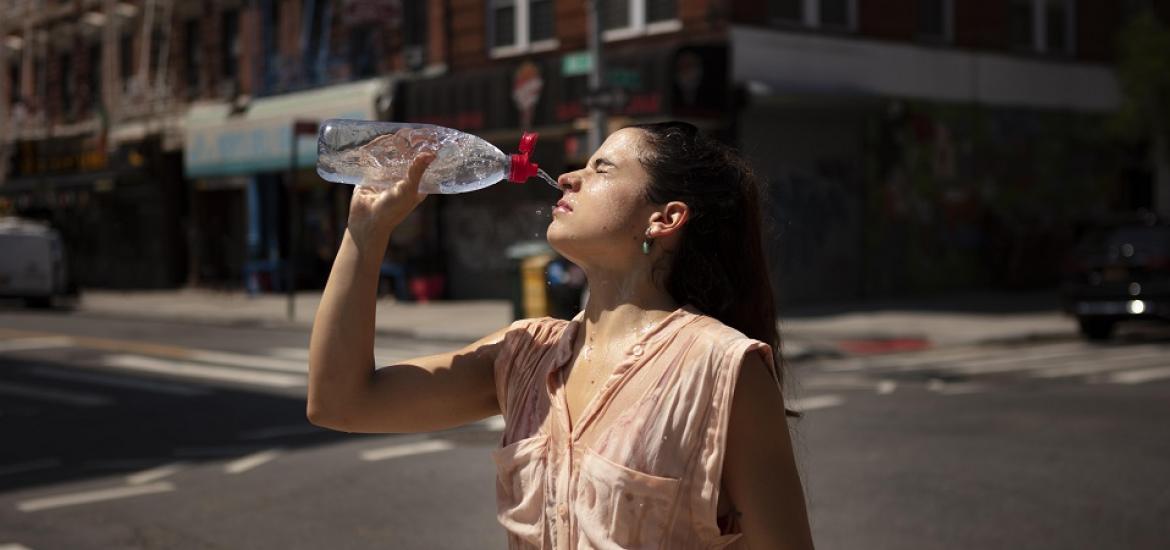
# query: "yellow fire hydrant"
[534,287]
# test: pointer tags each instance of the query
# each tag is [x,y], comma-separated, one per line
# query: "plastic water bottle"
[361,152]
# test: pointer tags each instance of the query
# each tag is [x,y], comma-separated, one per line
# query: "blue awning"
[221,143]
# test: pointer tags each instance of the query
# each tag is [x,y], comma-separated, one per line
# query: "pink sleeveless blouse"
[642,466]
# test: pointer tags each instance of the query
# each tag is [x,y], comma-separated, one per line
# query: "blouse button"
[563,510]
[637,351]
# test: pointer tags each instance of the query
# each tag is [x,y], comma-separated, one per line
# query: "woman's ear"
[669,219]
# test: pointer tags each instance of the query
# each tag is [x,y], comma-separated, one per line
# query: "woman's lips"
[562,207]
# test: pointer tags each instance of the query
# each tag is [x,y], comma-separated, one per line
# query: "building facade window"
[819,14]
[13,83]
[126,58]
[629,18]
[193,51]
[229,30]
[68,85]
[363,51]
[520,26]
[94,60]
[1044,26]
[936,20]
[414,34]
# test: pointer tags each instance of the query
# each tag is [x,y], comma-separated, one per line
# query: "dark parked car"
[1119,271]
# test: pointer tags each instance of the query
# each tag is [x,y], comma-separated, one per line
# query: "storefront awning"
[222,143]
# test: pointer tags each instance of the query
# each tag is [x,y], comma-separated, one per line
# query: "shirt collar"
[661,329]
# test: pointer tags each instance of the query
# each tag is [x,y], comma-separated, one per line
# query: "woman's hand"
[378,207]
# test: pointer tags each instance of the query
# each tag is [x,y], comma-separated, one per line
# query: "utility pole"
[598,123]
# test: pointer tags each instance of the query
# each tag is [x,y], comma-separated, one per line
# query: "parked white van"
[32,263]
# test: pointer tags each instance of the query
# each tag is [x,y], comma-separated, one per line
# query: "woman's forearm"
[341,360]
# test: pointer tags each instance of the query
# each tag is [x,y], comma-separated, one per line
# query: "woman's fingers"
[417,167]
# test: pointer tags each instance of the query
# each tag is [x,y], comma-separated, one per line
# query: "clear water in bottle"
[372,153]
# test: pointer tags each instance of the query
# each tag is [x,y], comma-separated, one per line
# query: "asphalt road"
[131,434]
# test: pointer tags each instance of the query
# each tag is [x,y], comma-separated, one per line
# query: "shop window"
[1043,26]
[630,18]
[824,14]
[521,26]
[936,20]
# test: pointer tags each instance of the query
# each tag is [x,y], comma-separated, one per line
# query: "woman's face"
[609,214]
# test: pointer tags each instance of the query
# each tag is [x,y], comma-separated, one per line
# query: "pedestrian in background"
[655,417]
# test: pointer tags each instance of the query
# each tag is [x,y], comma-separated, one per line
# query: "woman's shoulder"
[538,328]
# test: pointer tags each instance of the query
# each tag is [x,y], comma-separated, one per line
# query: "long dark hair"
[719,265]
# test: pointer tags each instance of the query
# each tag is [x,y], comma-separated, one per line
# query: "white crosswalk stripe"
[219,373]
[280,367]
[1119,364]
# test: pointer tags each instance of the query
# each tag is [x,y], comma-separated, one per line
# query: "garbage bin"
[529,290]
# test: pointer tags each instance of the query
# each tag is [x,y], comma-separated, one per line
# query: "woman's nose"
[567,181]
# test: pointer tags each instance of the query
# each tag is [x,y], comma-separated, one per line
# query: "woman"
[654,419]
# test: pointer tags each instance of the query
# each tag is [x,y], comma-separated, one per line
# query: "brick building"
[909,145]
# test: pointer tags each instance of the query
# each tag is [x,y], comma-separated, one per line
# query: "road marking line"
[42,342]
[886,387]
[954,388]
[281,431]
[815,402]
[1140,376]
[14,546]
[407,449]
[211,372]
[92,496]
[838,382]
[155,474]
[250,361]
[251,461]
[1038,361]
[1102,366]
[101,379]
[61,396]
[934,358]
[23,467]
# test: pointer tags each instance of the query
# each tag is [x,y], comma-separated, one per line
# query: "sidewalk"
[836,330]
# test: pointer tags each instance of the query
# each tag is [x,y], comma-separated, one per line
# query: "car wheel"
[1097,329]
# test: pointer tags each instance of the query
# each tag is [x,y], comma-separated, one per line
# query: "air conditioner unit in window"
[415,57]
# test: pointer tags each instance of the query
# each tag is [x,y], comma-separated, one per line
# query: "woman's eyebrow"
[599,161]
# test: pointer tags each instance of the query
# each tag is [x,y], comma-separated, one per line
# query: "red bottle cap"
[521,168]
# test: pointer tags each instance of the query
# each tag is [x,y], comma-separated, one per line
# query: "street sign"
[609,99]
[576,64]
